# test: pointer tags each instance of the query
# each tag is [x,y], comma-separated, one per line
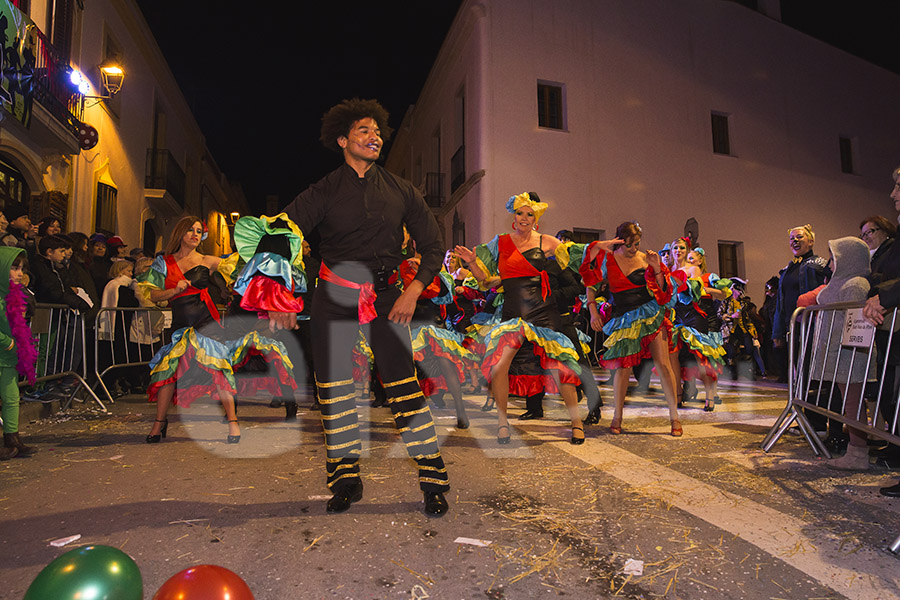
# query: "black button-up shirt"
[360,219]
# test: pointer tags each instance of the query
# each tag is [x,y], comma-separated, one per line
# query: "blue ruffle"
[544,333]
[214,348]
[448,286]
[274,266]
[645,311]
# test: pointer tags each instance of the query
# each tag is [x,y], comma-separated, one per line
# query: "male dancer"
[359,210]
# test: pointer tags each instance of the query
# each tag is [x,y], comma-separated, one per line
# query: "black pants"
[335,328]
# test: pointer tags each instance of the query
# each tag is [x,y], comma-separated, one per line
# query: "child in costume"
[18,349]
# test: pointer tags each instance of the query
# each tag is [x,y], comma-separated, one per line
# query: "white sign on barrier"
[858,332]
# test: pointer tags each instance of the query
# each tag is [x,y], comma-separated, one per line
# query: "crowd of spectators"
[83,272]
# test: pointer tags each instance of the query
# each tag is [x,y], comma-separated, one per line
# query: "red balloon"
[204,582]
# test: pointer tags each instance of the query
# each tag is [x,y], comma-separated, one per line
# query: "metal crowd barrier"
[825,337]
[61,348]
[813,372]
[128,337]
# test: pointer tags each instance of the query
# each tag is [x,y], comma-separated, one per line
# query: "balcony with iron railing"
[434,189]
[42,73]
[458,169]
[164,173]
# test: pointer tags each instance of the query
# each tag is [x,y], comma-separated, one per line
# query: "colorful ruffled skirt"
[700,353]
[628,336]
[543,350]
[200,366]
[430,342]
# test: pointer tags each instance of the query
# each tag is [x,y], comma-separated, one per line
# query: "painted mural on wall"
[18,41]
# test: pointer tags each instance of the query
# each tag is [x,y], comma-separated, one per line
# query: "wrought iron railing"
[434,189]
[164,173]
[51,85]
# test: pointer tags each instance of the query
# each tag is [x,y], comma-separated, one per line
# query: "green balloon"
[88,573]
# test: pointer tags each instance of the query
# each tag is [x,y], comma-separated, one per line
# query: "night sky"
[258,82]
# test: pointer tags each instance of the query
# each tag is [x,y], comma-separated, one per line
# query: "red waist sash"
[366,293]
[513,264]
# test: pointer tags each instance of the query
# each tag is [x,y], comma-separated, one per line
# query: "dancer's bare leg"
[620,388]
[451,377]
[500,383]
[675,365]
[163,400]
[659,350]
[227,401]
[570,397]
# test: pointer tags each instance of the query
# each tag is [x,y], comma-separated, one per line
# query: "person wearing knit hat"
[116,248]
[20,226]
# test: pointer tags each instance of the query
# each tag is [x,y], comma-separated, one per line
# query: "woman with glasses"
[878,233]
[641,288]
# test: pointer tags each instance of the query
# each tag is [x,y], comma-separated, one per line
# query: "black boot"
[290,411]
[344,496]
[11,440]
[7,453]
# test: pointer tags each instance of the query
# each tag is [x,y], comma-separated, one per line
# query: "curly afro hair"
[341,117]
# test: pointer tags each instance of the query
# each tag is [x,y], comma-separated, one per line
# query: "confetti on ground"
[634,567]
[66,540]
[472,541]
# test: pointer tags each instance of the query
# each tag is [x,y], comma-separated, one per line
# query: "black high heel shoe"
[488,404]
[503,440]
[577,441]
[709,406]
[233,439]
[154,439]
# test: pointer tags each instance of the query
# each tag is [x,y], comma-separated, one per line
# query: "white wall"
[641,78]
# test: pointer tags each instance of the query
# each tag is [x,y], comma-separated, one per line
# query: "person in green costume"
[18,351]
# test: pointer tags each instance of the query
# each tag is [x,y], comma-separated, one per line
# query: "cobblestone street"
[708,515]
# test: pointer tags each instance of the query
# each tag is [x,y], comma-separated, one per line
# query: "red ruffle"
[430,385]
[662,296]
[548,384]
[273,359]
[589,270]
[184,396]
[704,367]
[267,294]
[250,387]
[644,353]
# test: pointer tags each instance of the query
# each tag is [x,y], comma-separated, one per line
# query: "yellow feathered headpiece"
[532,201]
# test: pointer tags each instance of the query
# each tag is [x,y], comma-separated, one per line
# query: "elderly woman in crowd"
[878,233]
[884,295]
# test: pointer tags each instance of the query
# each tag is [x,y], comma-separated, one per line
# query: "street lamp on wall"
[112,77]
[234,217]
